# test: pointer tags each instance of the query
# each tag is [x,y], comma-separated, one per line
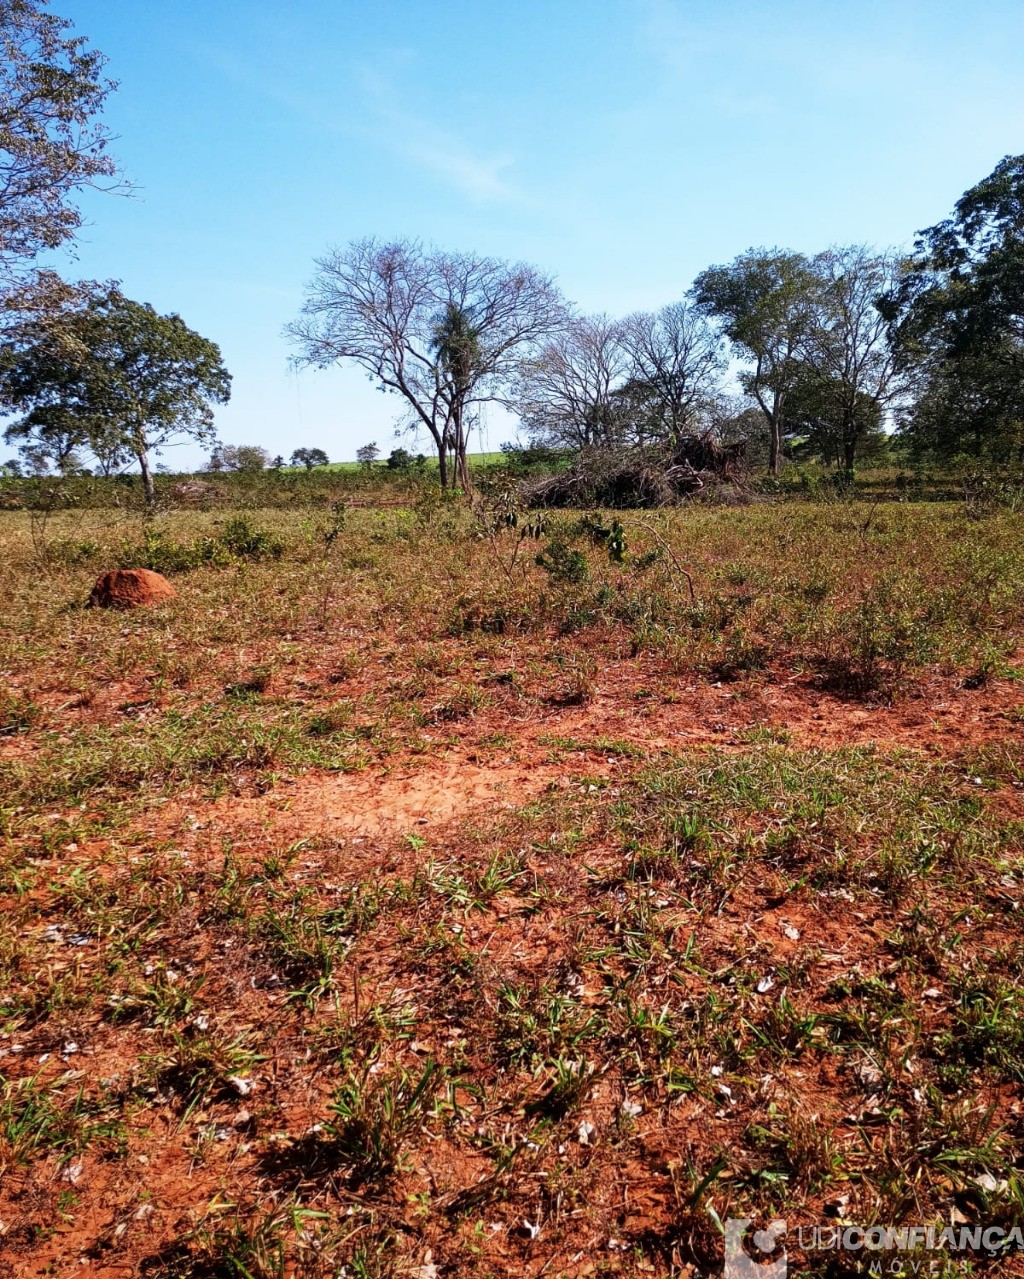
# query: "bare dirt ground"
[537,747]
[371,823]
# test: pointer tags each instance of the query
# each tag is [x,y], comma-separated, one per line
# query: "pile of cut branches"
[641,478]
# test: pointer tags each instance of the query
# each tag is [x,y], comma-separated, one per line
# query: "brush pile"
[642,478]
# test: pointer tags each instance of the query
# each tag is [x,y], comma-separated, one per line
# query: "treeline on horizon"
[830,356]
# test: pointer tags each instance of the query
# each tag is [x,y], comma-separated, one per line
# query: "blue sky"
[621,144]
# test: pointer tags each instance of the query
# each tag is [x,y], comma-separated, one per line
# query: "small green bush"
[71,552]
[563,563]
[249,543]
[239,540]
[163,554]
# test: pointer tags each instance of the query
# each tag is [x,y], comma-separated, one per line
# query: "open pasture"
[410,897]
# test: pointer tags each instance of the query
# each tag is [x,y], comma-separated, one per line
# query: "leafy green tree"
[958,321]
[41,349]
[399,460]
[367,455]
[459,351]
[825,421]
[966,286]
[247,458]
[124,378]
[309,458]
[970,404]
[765,302]
[52,89]
[53,440]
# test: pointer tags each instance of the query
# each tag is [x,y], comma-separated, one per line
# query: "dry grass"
[398,905]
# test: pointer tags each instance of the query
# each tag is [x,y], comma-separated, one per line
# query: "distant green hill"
[474,459]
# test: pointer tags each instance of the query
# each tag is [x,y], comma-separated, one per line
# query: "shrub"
[238,540]
[249,543]
[70,552]
[163,554]
[564,564]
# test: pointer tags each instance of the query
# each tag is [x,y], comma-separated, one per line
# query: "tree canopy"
[114,376]
[309,458]
[445,331]
[245,458]
[52,89]
[764,302]
[958,322]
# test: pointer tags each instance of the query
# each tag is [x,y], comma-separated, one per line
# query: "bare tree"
[569,392]
[847,342]
[677,360]
[445,331]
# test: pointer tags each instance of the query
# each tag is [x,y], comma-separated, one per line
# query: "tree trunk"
[460,448]
[775,443]
[461,477]
[442,464]
[465,480]
[147,479]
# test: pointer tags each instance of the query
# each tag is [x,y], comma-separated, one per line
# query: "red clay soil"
[510,751]
[501,756]
[125,588]
[508,754]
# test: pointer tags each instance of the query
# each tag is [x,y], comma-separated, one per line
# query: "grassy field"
[475,460]
[412,897]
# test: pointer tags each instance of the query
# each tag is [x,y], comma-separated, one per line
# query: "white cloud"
[413,137]
[384,121]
